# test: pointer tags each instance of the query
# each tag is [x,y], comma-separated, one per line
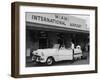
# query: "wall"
[5,40]
[52,39]
[31,41]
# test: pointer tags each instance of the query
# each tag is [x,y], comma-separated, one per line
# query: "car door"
[65,54]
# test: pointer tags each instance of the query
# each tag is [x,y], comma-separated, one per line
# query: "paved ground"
[85,60]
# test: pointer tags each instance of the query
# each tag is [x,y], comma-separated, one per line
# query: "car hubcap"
[49,61]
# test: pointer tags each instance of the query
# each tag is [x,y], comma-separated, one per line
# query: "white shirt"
[72,46]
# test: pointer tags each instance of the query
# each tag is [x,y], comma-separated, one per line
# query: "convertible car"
[51,55]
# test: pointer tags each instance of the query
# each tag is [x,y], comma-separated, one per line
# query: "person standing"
[72,47]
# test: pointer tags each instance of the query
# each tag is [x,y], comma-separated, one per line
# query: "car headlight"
[42,53]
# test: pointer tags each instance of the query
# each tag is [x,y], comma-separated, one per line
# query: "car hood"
[45,51]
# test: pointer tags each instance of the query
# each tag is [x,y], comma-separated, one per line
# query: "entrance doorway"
[43,39]
[60,39]
[43,43]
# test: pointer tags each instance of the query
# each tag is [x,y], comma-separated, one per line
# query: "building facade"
[44,30]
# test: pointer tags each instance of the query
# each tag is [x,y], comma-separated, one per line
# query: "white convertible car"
[51,55]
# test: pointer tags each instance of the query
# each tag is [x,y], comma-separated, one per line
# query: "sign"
[49,20]
[59,20]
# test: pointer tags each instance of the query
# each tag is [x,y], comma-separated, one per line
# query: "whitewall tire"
[49,61]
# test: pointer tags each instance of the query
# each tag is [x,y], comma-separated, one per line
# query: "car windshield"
[58,46]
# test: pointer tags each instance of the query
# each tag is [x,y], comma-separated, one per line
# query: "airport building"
[44,30]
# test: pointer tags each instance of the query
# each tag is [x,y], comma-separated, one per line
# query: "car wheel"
[50,61]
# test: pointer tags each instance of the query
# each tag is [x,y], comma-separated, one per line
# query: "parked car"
[51,55]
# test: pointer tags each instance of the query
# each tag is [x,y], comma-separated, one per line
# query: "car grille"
[35,57]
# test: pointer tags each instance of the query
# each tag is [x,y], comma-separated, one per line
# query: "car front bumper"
[36,58]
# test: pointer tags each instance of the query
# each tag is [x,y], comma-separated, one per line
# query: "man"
[72,47]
